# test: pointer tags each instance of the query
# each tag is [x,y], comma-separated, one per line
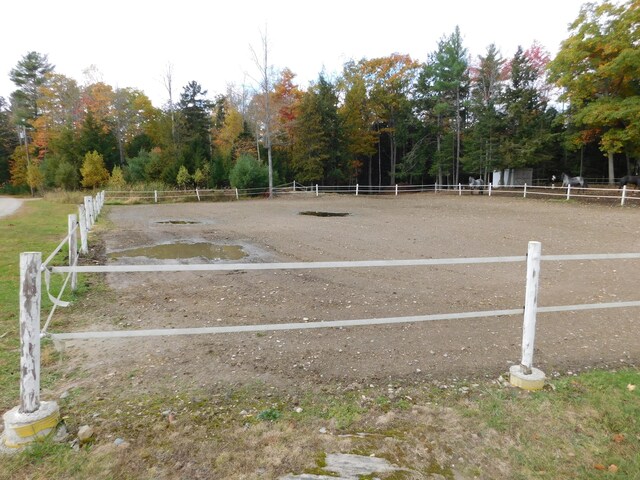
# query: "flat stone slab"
[348,467]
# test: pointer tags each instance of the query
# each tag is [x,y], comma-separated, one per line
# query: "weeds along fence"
[32,267]
[599,193]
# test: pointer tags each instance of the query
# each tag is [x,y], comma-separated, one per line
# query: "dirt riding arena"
[405,227]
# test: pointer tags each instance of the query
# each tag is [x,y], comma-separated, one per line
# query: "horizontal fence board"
[330,324]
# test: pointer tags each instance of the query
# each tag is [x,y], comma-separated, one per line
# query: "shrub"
[249,173]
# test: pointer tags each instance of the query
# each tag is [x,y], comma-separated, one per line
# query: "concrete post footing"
[20,429]
[533,381]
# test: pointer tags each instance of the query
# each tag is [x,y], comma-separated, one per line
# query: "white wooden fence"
[31,267]
[622,195]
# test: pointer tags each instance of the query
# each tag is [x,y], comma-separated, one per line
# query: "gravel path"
[9,205]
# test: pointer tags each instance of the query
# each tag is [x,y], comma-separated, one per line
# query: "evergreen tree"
[487,88]
[28,75]
[527,133]
[442,91]
[194,126]
[318,148]
[8,140]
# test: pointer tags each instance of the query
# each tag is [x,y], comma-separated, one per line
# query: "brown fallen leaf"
[613,468]
[618,438]
[599,466]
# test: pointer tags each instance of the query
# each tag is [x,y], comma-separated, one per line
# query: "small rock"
[85,433]
[298,410]
[323,430]
[118,441]
[64,394]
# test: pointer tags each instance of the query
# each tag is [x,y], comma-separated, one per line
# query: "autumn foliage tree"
[94,173]
[597,68]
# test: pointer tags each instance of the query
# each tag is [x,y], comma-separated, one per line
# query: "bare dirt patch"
[406,227]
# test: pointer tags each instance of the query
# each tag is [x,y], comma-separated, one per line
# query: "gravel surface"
[405,227]
[8,205]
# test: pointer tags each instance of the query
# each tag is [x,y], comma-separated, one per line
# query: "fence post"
[32,418]
[294,185]
[155,196]
[30,287]
[89,212]
[435,187]
[525,190]
[525,375]
[96,211]
[357,187]
[396,189]
[197,194]
[568,191]
[316,189]
[83,230]
[459,189]
[237,196]
[73,248]
[624,194]
[490,185]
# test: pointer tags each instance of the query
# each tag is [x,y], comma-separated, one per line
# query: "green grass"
[39,226]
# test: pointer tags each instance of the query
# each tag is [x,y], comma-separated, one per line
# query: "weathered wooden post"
[316,189]
[396,189]
[155,196]
[294,186]
[490,188]
[237,196]
[525,190]
[624,195]
[459,189]
[88,211]
[357,188]
[568,191]
[84,248]
[197,194]
[32,418]
[73,249]
[525,375]
[96,211]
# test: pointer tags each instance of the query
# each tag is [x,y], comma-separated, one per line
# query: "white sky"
[132,42]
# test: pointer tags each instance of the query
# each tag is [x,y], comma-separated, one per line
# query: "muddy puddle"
[184,251]
[325,214]
[178,222]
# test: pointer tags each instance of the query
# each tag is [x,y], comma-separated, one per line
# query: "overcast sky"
[132,42]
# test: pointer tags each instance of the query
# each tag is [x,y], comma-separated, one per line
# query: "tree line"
[381,121]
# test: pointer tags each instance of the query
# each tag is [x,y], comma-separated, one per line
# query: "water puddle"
[178,222]
[325,214]
[183,251]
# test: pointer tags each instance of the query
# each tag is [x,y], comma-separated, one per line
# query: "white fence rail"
[622,195]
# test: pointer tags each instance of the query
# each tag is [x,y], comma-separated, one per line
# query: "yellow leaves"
[611,468]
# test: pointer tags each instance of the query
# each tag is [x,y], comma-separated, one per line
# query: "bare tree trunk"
[457,172]
[168,84]
[392,158]
[611,173]
[263,67]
